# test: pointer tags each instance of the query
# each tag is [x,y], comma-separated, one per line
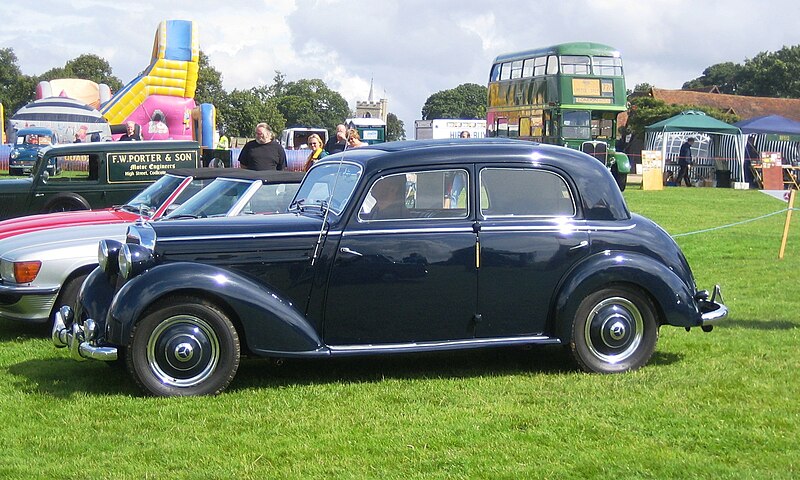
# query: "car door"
[529,239]
[404,270]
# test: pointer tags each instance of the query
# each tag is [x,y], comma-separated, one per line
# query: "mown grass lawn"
[724,404]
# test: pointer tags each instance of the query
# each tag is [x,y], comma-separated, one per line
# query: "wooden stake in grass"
[786,225]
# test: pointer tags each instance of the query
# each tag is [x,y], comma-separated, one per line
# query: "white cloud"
[411,48]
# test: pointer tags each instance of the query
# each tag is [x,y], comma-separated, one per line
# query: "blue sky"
[412,48]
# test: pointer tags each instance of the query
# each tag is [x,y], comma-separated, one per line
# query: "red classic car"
[153,202]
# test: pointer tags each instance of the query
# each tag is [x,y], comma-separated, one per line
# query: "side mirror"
[45,176]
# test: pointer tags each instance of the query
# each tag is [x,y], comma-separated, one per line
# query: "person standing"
[751,157]
[317,152]
[354,139]
[130,133]
[263,153]
[337,143]
[684,161]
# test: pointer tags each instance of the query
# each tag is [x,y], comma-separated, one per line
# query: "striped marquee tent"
[719,146]
[65,116]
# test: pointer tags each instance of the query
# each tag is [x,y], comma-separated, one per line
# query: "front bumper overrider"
[80,338]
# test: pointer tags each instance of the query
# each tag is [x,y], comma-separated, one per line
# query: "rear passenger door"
[528,239]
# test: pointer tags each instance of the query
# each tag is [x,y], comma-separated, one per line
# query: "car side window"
[417,195]
[76,168]
[524,192]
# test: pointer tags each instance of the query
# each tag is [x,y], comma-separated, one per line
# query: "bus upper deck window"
[516,69]
[575,65]
[607,66]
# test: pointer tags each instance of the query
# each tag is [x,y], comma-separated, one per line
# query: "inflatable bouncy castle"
[161,98]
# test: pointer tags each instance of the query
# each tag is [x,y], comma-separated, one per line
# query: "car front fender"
[673,298]
[270,323]
[623,162]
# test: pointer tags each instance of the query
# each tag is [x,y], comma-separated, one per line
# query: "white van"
[297,137]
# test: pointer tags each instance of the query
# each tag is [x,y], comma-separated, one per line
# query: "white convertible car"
[42,270]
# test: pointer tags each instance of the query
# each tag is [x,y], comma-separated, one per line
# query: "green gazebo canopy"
[693,121]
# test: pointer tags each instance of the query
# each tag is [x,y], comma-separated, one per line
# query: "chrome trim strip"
[558,228]
[245,236]
[355,233]
[568,228]
[475,342]
[27,290]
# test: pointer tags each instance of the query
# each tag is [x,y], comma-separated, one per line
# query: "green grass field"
[724,404]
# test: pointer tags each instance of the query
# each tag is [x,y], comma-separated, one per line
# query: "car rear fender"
[266,319]
[672,297]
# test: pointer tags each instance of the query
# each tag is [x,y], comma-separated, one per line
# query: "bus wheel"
[620,178]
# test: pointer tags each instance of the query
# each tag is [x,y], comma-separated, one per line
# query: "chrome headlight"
[14,155]
[107,253]
[134,259]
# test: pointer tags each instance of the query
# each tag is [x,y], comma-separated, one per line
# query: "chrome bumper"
[712,310]
[79,337]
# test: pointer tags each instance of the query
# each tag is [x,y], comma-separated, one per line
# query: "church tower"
[371,108]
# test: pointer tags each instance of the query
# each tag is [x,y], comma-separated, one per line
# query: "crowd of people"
[265,152]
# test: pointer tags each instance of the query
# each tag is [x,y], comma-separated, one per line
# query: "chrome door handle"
[583,244]
[350,252]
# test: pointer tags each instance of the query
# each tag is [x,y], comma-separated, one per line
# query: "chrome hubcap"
[183,351]
[614,329]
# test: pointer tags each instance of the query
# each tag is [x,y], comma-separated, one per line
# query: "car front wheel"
[614,330]
[184,346]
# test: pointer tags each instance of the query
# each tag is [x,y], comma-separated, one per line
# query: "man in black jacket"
[336,143]
[263,153]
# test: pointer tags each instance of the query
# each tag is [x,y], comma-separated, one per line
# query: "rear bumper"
[712,309]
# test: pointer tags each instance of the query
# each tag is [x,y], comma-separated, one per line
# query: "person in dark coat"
[751,156]
[338,142]
[263,153]
[684,160]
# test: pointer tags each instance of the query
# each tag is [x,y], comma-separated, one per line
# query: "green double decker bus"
[568,94]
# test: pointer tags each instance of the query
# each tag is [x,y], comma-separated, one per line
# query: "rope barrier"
[732,224]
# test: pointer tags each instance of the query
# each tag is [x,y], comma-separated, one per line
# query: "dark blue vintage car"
[397,247]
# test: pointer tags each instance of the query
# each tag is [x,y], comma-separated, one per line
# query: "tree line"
[310,102]
[306,102]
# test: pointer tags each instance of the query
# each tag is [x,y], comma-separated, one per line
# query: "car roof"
[35,130]
[599,192]
[267,176]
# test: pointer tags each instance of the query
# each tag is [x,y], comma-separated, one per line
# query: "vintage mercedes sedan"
[398,247]
[45,267]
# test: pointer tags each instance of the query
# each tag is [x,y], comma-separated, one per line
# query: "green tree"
[466,101]
[395,129]
[309,103]
[209,87]
[725,76]
[244,109]
[773,74]
[16,89]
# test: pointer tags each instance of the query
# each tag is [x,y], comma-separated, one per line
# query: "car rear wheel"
[614,330]
[66,203]
[184,346]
